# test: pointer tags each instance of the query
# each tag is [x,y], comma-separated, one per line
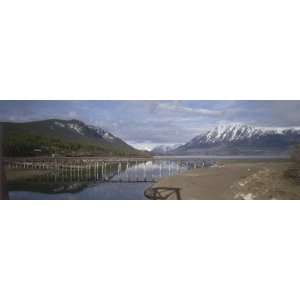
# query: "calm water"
[126,180]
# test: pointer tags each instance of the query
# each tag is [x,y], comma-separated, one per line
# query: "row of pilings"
[131,170]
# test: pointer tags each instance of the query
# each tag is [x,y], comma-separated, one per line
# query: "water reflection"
[98,180]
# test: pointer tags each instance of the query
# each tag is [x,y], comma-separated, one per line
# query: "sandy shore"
[229,180]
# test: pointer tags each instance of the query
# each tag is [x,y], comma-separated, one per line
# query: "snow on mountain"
[108,136]
[239,132]
[59,124]
[242,139]
[77,127]
[237,135]
[85,130]
[163,149]
[102,133]
[279,130]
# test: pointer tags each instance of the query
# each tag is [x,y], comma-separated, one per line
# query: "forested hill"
[62,138]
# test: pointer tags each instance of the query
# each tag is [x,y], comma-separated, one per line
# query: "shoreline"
[240,180]
[15,174]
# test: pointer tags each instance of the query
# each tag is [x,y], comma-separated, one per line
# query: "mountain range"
[163,149]
[241,139]
[62,137]
[75,138]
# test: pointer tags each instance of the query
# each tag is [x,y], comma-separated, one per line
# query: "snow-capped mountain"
[164,149]
[242,139]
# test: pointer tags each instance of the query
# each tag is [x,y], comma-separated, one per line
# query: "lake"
[97,180]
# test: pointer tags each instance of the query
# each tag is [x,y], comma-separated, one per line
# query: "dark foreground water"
[123,180]
[108,191]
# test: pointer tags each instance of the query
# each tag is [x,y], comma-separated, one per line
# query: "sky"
[146,124]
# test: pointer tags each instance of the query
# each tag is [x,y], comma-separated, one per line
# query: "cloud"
[266,113]
[178,107]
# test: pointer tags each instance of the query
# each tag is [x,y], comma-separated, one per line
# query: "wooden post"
[127,170]
[97,175]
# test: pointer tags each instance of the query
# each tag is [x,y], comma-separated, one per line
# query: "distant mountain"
[241,139]
[61,137]
[163,149]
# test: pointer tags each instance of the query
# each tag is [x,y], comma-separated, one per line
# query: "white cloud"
[178,107]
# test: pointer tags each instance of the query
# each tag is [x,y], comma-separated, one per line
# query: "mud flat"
[229,180]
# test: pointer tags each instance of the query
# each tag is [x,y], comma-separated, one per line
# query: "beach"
[229,180]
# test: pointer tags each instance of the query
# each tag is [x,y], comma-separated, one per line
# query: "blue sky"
[145,124]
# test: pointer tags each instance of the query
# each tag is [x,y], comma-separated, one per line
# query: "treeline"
[29,145]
